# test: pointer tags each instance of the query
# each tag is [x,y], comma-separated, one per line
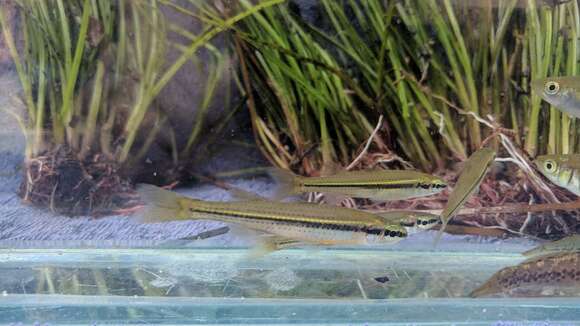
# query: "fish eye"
[551,88]
[550,166]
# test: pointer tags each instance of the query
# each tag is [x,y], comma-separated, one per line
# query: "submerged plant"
[448,77]
[91,72]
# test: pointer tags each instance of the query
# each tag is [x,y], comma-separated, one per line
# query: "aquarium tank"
[277,162]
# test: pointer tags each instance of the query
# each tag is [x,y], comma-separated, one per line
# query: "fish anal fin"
[271,243]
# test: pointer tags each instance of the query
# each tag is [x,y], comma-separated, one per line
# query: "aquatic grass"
[552,48]
[448,77]
[61,65]
[302,80]
[412,70]
[91,71]
[380,89]
[50,69]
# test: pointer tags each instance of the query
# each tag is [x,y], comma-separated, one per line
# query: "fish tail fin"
[161,205]
[287,183]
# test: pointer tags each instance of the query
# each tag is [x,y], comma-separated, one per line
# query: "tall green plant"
[87,65]
[435,73]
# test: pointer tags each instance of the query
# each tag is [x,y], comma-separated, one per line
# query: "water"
[222,286]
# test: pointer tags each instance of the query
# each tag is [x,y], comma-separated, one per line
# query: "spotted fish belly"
[557,274]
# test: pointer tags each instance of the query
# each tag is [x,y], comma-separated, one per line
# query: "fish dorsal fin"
[240,194]
[331,168]
[285,183]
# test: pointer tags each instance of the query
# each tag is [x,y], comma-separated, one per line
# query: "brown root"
[67,185]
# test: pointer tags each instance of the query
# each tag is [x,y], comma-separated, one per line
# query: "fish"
[472,174]
[569,244]
[380,185]
[561,92]
[548,275]
[286,223]
[413,221]
[563,170]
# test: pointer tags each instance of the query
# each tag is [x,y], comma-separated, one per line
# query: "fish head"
[549,166]
[425,221]
[561,169]
[561,92]
[418,221]
[491,288]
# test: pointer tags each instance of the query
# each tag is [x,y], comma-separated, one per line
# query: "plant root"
[59,180]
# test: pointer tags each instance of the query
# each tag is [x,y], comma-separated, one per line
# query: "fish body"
[561,92]
[299,222]
[471,176]
[379,185]
[569,244]
[413,221]
[549,275]
[563,170]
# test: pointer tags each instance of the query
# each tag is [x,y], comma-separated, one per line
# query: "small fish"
[413,221]
[569,244]
[563,170]
[549,275]
[469,180]
[377,184]
[561,92]
[286,223]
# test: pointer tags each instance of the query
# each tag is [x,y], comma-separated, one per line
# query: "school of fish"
[553,267]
